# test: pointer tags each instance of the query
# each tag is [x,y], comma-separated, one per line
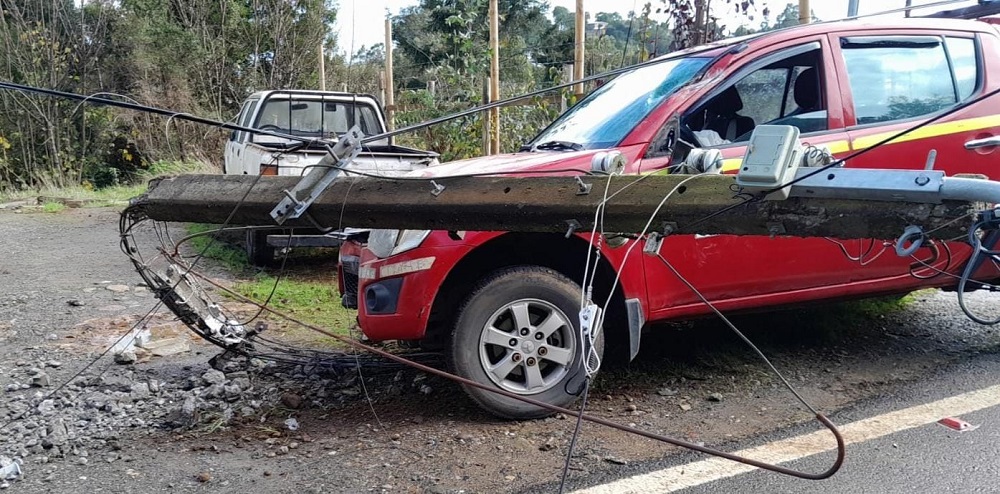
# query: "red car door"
[790,83]
[899,79]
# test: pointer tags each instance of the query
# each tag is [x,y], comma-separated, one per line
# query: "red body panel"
[746,272]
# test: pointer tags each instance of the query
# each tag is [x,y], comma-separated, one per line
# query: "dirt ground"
[401,431]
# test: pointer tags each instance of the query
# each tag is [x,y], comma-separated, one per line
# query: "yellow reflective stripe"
[731,164]
[835,147]
[933,130]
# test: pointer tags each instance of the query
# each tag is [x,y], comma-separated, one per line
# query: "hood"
[511,164]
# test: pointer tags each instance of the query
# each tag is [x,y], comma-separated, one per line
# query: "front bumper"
[396,295]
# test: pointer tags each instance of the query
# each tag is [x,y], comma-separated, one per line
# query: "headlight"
[385,243]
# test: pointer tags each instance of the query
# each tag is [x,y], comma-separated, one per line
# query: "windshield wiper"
[557,146]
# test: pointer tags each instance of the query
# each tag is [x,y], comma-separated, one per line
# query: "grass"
[303,295]
[218,247]
[313,302]
[53,207]
[114,195]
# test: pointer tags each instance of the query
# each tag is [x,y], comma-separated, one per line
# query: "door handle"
[983,143]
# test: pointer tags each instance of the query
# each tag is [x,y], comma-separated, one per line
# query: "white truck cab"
[319,115]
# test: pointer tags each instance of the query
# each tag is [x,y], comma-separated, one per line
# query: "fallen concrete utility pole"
[552,204]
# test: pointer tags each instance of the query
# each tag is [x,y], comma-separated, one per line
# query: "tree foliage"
[205,57]
[196,56]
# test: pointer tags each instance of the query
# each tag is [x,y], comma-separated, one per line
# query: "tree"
[693,21]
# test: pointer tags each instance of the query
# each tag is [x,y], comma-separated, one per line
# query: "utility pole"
[552,204]
[494,76]
[488,119]
[581,37]
[700,27]
[322,68]
[804,16]
[390,86]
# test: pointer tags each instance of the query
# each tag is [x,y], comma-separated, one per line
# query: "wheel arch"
[554,251]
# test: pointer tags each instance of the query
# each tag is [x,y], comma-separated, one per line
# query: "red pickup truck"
[505,306]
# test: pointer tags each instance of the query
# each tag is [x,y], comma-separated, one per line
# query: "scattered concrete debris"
[292,424]
[117,288]
[666,392]
[9,469]
[168,346]
[39,379]
[716,397]
[126,357]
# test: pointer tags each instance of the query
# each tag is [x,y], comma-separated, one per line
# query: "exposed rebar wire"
[841,447]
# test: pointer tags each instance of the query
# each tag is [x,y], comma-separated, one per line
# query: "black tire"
[518,362]
[258,252]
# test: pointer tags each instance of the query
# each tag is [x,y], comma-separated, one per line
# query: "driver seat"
[726,122]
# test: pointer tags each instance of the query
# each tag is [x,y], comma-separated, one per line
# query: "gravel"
[144,423]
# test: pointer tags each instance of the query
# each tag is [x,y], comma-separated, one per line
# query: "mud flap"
[636,321]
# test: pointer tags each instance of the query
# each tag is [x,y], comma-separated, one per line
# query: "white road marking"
[712,469]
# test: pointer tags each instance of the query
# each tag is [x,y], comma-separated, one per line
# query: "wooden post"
[322,68]
[487,118]
[381,87]
[390,87]
[700,24]
[581,36]
[494,114]
[804,16]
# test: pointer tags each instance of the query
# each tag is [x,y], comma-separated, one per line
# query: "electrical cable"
[739,333]
[575,436]
[841,446]
[628,36]
[760,195]
[628,252]
[90,364]
[970,266]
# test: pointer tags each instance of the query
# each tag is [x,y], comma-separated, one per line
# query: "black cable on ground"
[576,434]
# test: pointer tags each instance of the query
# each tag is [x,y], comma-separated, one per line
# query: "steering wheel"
[269,127]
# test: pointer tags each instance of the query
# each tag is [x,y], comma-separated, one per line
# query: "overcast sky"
[360,22]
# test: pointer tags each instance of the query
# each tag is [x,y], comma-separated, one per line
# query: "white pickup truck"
[322,115]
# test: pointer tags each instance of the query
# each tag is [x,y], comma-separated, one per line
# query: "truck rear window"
[316,118]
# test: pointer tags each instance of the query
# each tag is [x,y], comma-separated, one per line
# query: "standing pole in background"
[852,8]
[581,34]
[487,119]
[390,87]
[494,114]
[804,16]
[322,68]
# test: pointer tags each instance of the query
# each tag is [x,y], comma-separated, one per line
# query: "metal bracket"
[584,188]
[652,245]
[573,227]
[438,188]
[320,177]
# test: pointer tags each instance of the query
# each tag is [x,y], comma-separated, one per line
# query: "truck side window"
[244,121]
[785,92]
[901,77]
[962,52]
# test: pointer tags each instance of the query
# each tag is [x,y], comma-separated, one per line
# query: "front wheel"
[519,331]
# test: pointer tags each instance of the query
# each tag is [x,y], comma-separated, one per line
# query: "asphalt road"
[927,458]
